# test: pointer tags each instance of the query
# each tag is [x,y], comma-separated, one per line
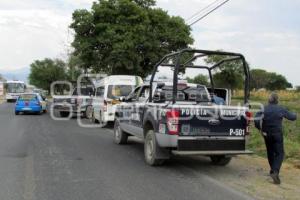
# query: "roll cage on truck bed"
[164,130]
[201,53]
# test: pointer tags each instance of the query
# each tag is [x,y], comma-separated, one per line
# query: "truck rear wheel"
[150,150]
[120,137]
[220,160]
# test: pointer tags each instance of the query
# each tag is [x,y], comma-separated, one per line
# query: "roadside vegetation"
[290,100]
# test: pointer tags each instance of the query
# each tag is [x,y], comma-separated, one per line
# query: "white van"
[107,93]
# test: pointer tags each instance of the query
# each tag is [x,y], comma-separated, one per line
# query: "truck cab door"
[139,110]
[127,112]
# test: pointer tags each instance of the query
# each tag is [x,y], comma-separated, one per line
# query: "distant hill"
[20,74]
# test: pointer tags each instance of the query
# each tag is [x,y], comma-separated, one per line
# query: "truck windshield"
[117,91]
[15,88]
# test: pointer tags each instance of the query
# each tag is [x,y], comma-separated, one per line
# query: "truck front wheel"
[151,149]
[220,160]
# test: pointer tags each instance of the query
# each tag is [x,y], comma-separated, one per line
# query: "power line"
[197,13]
[205,15]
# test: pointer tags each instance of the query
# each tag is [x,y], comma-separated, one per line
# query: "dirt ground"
[251,176]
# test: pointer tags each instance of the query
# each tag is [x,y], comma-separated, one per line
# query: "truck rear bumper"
[203,145]
[208,153]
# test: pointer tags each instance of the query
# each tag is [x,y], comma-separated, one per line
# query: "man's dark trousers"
[275,150]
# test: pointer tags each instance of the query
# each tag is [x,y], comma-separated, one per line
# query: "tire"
[64,114]
[220,160]
[93,119]
[150,150]
[120,137]
[16,113]
[88,112]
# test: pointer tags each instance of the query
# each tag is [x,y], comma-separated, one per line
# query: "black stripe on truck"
[211,145]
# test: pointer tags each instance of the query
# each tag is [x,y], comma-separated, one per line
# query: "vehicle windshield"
[83,91]
[27,97]
[15,87]
[117,91]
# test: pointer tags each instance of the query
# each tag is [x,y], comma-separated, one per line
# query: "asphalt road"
[43,159]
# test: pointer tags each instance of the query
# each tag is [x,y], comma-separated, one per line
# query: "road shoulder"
[249,174]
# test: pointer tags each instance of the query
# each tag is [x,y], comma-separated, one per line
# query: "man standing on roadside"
[271,127]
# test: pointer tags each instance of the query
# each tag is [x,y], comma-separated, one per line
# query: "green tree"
[199,79]
[259,78]
[73,69]
[229,75]
[271,81]
[277,82]
[44,72]
[126,36]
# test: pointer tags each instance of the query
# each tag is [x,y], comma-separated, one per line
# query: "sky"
[267,32]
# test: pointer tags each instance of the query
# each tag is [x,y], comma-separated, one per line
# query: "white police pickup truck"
[80,102]
[185,119]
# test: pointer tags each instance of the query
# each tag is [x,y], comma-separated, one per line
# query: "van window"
[117,91]
[100,92]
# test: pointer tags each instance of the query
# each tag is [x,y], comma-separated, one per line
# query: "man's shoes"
[275,177]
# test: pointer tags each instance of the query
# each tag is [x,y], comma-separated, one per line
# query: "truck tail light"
[249,116]
[173,121]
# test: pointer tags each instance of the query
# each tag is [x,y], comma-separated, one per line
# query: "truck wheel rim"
[150,148]
[117,132]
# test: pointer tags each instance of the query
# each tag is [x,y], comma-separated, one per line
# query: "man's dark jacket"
[273,116]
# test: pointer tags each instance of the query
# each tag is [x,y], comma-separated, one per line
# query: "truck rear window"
[83,91]
[199,94]
[117,91]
